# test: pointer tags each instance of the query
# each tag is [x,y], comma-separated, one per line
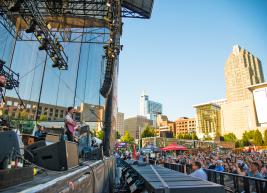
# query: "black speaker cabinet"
[8,141]
[58,156]
[28,154]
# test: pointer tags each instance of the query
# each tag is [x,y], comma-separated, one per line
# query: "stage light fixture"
[32,26]
[43,44]
[55,61]
[39,35]
[15,6]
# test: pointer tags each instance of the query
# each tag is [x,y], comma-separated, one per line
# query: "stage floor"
[46,179]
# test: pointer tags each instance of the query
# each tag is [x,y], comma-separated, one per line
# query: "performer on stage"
[70,124]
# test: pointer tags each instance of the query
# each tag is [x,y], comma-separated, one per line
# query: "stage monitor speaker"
[58,156]
[8,141]
[28,155]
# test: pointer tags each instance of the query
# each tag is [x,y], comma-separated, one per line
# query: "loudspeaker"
[8,141]
[58,156]
[28,155]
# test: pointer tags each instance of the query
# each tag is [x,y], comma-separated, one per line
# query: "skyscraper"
[149,108]
[242,70]
[120,123]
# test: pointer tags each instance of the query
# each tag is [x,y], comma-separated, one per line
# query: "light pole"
[139,137]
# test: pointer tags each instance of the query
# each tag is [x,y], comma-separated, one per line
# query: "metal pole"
[41,89]
[139,137]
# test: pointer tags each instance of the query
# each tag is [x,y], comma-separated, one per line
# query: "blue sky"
[178,55]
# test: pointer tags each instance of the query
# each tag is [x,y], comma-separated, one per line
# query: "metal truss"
[127,13]
[52,48]
[7,20]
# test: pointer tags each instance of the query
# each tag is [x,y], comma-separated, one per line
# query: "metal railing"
[232,182]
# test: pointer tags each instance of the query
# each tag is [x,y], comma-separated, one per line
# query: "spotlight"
[43,44]
[39,35]
[32,26]
[55,61]
[108,4]
[59,45]
[15,6]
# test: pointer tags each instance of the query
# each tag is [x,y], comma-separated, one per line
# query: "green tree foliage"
[265,137]
[194,136]
[127,138]
[207,138]
[23,115]
[148,132]
[230,137]
[118,136]
[100,134]
[247,138]
[257,138]
[43,118]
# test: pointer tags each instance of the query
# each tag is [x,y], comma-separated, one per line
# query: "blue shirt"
[258,175]
[200,173]
[219,168]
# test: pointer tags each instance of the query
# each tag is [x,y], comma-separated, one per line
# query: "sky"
[178,55]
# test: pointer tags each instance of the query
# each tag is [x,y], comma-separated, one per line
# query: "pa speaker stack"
[59,156]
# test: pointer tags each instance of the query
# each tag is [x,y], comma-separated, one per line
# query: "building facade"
[120,123]
[149,108]
[47,112]
[163,125]
[136,125]
[242,70]
[208,120]
[235,114]
[185,125]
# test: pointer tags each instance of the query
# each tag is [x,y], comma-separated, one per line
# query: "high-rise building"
[235,114]
[185,125]
[208,120]
[164,126]
[242,70]
[120,123]
[149,108]
[136,125]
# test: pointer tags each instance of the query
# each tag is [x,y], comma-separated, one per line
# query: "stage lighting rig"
[32,26]
[12,78]
[38,26]
[15,6]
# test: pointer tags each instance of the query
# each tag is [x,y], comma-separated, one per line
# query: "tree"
[230,137]
[43,118]
[148,132]
[207,138]
[265,137]
[247,138]
[194,136]
[257,138]
[100,134]
[179,136]
[23,115]
[118,136]
[127,138]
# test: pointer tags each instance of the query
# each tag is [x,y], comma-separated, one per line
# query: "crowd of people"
[253,164]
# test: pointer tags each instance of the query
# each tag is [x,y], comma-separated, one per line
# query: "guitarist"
[70,124]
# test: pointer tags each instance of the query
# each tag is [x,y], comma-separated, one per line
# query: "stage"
[90,177]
